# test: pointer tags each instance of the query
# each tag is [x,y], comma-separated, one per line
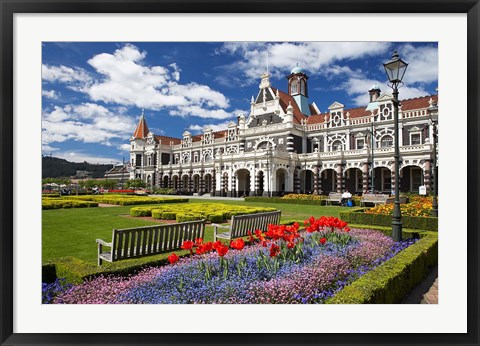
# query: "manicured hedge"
[394,279]
[214,212]
[282,200]
[184,217]
[75,270]
[54,203]
[415,222]
[129,200]
[51,195]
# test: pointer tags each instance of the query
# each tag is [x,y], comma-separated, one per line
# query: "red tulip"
[323,241]
[208,246]
[173,258]
[274,250]
[237,244]
[187,245]
[217,244]
[198,241]
[222,250]
[290,245]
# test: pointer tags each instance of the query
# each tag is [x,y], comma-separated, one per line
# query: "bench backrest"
[150,240]
[335,196]
[241,224]
[369,197]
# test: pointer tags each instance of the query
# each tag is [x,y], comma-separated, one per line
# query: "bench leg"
[99,262]
[214,233]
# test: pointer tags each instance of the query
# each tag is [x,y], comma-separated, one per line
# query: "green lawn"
[71,233]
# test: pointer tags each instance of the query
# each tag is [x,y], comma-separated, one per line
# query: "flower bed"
[214,212]
[418,206]
[282,265]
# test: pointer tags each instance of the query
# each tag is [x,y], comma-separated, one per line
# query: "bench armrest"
[103,242]
[220,226]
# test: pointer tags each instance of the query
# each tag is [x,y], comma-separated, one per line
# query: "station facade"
[287,145]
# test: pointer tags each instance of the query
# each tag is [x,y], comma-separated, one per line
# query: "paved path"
[426,292]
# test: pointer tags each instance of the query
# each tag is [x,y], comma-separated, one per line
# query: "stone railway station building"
[286,145]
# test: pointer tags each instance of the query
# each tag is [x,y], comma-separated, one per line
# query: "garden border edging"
[393,280]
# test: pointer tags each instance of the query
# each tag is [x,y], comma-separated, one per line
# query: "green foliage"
[59,181]
[168,215]
[415,222]
[184,217]
[390,282]
[128,200]
[141,211]
[287,201]
[57,203]
[215,217]
[135,183]
[214,212]
[51,195]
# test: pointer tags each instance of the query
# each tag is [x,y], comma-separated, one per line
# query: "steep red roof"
[142,129]
[285,100]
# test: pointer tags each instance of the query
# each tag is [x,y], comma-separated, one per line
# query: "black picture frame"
[7,175]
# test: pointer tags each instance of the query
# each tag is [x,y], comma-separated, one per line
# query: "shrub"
[215,212]
[54,203]
[361,218]
[52,195]
[169,215]
[284,200]
[390,282]
[129,200]
[141,211]
[215,217]
[299,196]
[184,217]
[157,214]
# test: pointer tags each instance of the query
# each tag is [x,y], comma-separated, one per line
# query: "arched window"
[337,145]
[386,141]
[302,87]
[294,87]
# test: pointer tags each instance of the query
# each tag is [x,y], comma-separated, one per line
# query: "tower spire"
[142,128]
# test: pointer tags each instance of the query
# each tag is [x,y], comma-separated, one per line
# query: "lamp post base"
[397,231]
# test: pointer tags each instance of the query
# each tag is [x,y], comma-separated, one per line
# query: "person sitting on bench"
[346,196]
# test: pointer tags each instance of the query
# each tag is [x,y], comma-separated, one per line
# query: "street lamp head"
[395,69]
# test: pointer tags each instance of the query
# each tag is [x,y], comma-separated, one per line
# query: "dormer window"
[302,87]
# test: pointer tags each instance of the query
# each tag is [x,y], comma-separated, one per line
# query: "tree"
[108,184]
[135,183]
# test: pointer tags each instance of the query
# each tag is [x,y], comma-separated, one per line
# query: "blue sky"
[93,92]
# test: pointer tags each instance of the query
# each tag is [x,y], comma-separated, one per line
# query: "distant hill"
[53,167]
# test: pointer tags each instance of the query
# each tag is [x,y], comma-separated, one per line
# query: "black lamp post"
[269,155]
[434,170]
[395,69]
[372,137]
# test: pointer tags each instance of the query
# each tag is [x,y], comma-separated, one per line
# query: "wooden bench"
[241,224]
[333,197]
[148,240]
[374,198]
